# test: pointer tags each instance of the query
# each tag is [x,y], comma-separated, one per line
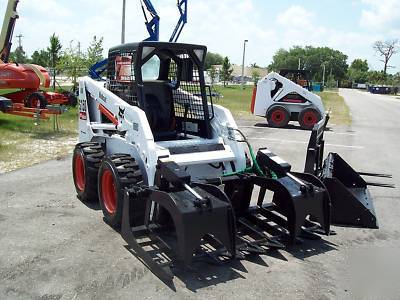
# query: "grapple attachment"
[293,200]
[191,210]
[186,220]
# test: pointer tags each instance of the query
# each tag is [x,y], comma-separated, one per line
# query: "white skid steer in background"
[280,100]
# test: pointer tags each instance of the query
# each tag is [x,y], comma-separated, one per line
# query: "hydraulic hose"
[255,167]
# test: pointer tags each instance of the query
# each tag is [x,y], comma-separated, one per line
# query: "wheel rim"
[35,102]
[278,116]
[310,118]
[109,191]
[79,172]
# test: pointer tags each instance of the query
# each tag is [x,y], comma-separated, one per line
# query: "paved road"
[54,247]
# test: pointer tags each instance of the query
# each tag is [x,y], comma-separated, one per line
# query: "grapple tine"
[379,184]
[375,174]
[161,271]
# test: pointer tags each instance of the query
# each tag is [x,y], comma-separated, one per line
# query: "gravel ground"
[35,151]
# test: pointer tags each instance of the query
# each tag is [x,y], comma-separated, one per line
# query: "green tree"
[287,59]
[331,81]
[358,71]
[255,75]
[396,79]
[312,59]
[41,58]
[95,51]
[54,51]
[226,71]
[376,77]
[212,72]
[360,65]
[73,63]
[19,56]
[213,59]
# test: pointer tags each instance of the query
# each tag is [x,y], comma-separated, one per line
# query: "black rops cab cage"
[166,80]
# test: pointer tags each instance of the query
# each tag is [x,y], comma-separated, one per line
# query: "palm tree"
[54,50]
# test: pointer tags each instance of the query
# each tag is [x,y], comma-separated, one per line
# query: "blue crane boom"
[182,7]
[152,22]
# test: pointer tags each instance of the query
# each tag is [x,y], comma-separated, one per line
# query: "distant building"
[237,74]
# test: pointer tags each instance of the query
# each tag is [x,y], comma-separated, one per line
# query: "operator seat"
[159,109]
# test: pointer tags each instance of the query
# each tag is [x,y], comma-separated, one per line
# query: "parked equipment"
[281,100]
[170,168]
[27,80]
[301,77]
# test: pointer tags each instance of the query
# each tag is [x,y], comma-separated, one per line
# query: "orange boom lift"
[28,80]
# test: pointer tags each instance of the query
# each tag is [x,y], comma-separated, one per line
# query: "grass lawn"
[22,143]
[6,91]
[235,99]
[339,111]
[238,101]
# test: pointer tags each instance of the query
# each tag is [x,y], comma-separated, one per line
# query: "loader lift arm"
[7,30]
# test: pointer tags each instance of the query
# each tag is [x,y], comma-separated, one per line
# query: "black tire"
[308,117]
[72,98]
[32,99]
[278,116]
[117,172]
[87,156]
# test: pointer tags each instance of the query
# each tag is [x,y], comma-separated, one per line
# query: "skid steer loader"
[280,100]
[173,172]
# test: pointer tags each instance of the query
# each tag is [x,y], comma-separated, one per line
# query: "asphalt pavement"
[52,246]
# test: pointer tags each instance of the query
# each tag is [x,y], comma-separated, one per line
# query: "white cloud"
[296,16]
[381,14]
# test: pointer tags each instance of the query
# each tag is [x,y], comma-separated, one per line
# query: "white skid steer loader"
[281,100]
[170,169]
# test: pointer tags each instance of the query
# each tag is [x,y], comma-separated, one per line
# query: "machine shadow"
[206,271]
[94,205]
[289,126]
[309,248]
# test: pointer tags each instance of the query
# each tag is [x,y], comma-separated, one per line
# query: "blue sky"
[350,26]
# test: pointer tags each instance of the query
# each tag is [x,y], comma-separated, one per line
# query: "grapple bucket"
[350,198]
[351,201]
[294,198]
[287,199]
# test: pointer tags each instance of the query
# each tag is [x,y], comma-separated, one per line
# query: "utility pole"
[299,64]
[244,54]
[123,22]
[19,37]
[79,49]
[323,75]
